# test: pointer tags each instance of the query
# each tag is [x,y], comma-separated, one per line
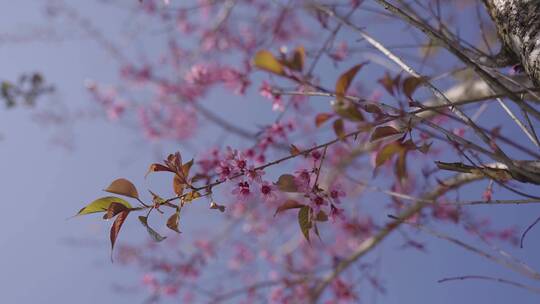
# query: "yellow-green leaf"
[124,187]
[304,222]
[191,196]
[264,60]
[102,204]
[387,152]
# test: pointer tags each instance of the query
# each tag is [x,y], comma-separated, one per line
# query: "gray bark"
[518,26]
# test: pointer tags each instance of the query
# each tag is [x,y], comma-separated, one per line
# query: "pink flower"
[224,170]
[336,213]
[316,202]
[268,192]
[302,180]
[242,190]
[254,175]
[336,193]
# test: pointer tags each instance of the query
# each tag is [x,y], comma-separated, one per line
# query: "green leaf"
[123,186]
[102,204]
[386,153]
[304,222]
[155,236]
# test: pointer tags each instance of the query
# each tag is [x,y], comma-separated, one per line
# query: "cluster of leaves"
[25,90]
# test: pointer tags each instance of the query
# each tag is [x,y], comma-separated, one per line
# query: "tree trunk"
[518,25]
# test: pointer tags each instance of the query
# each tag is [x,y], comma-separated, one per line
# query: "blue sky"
[44,184]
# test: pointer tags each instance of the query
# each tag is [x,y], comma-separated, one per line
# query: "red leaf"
[115,229]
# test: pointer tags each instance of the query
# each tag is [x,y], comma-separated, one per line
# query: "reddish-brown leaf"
[321,118]
[401,166]
[288,204]
[178,185]
[294,150]
[286,183]
[115,229]
[297,62]
[410,84]
[113,210]
[388,83]
[173,221]
[321,216]
[344,81]
[157,168]
[384,131]
[339,128]
[123,186]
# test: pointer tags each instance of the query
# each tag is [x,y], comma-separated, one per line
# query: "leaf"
[186,168]
[173,220]
[321,216]
[299,56]
[382,132]
[294,150]
[113,210]
[156,199]
[386,153]
[410,84]
[286,183]
[264,60]
[155,236]
[123,186]
[344,81]
[401,166]
[287,205]
[157,168]
[424,148]
[178,185]
[321,118]
[115,229]
[214,205]
[102,204]
[388,83]
[304,222]
[348,110]
[191,196]
[339,128]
